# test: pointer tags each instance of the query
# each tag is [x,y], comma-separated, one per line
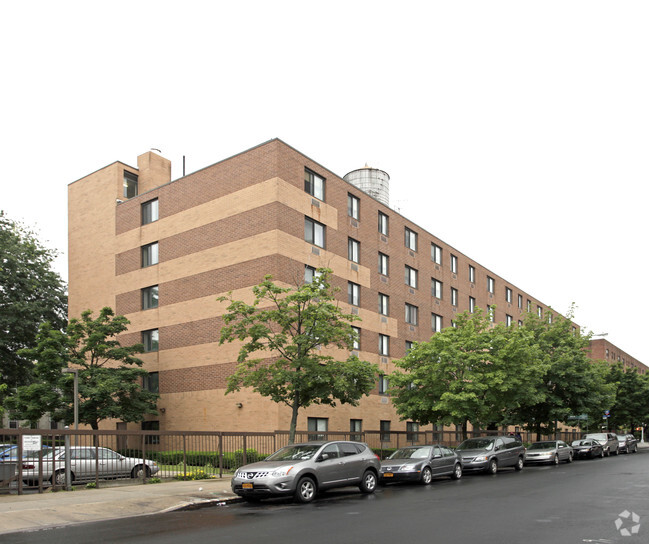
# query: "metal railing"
[178,454]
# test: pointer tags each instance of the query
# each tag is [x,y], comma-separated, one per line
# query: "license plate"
[388,475]
[246,486]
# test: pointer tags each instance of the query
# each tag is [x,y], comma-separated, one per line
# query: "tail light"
[28,467]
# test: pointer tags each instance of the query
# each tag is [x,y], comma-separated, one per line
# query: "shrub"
[194,475]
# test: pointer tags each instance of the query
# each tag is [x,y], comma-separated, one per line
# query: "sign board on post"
[31,442]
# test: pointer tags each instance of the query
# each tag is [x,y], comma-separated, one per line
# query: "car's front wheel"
[368,482]
[556,459]
[58,478]
[306,490]
[426,476]
[140,471]
[457,472]
[492,467]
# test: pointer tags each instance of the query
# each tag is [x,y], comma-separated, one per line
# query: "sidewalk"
[39,511]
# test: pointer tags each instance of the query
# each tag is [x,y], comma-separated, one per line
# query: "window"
[520,302]
[150,340]
[384,264]
[472,274]
[130,184]
[384,435]
[454,296]
[356,345]
[353,293]
[317,424]
[150,211]
[508,295]
[151,382]
[150,297]
[471,304]
[436,322]
[412,431]
[384,304]
[539,311]
[384,345]
[310,273]
[411,277]
[314,232]
[436,288]
[383,223]
[550,318]
[411,239]
[409,345]
[490,284]
[454,264]
[314,184]
[436,253]
[353,250]
[148,439]
[353,206]
[491,312]
[509,319]
[411,314]
[384,384]
[355,429]
[529,305]
[150,254]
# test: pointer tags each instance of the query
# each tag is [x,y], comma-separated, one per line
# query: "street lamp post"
[76,394]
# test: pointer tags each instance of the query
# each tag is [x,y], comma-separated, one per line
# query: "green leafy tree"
[109,374]
[473,372]
[293,327]
[30,294]
[631,406]
[571,384]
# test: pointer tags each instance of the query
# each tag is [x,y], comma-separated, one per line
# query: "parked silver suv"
[489,453]
[301,470]
[609,442]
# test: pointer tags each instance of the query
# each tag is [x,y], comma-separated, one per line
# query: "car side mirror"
[498,448]
[323,457]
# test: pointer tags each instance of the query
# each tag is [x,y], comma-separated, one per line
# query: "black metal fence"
[143,455]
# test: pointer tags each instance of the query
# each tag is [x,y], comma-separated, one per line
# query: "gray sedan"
[301,470]
[421,464]
[548,451]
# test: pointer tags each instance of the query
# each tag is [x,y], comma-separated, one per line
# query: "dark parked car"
[421,464]
[627,443]
[548,451]
[608,440]
[490,453]
[587,448]
[301,470]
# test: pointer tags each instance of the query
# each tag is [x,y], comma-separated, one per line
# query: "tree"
[571,384]
[472,372]
[631,406]
[110,376]
[30,294]
[295,326]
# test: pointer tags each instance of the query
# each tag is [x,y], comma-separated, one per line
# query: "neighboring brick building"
[161,252]
[602,350]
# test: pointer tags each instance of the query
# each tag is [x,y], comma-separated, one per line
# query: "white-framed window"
[150,211]
[490,285]
[454,295]
[357,338]
[314,232]
[150,297]
[436,288]
[384,264]
[436,253]
[384,304]
[454,264]
[411,276]
[384,345]
[508,294]
[314,184]
[384,384]
[491,312]
[529,305]
[471,304]
[150,254]
[410,239]
[353,293]
[539,311]
[520,302]
[130,185]
[384,222]
[509,320]
[310,273]
[150,340]
[353,206]
[472,273]
[353,250]
[412,314]
[436,322]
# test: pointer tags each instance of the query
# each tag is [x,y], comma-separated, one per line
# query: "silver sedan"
[548,451]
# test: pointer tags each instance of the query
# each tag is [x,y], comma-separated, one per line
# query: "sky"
[515,131]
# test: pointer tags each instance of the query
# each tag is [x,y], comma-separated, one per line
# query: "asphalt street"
[592,501]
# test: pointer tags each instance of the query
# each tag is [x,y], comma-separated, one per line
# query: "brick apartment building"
[161,252]
[603,350]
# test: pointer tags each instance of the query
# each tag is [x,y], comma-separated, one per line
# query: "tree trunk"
[293,426]
[465,429]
